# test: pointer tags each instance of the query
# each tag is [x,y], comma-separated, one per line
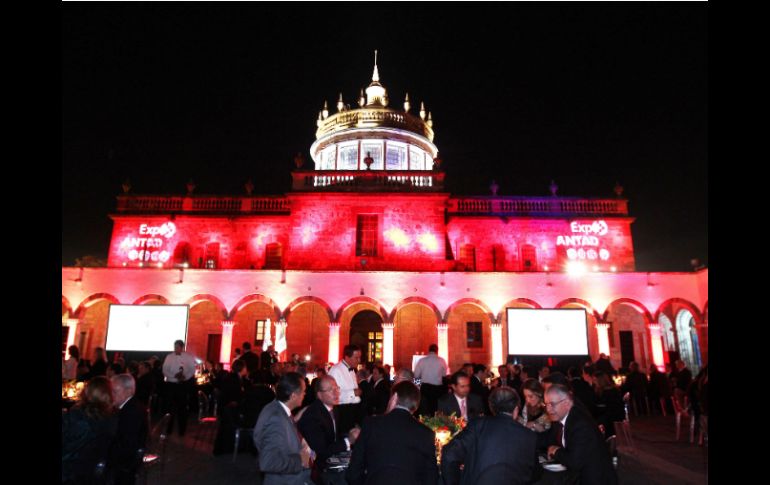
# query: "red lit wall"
[498,242]
[410,231]
[242,240]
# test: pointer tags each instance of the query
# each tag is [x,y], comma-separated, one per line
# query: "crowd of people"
[369,412]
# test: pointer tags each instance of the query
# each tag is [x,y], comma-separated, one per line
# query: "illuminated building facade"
[368,248]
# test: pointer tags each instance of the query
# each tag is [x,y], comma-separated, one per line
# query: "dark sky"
[586,95]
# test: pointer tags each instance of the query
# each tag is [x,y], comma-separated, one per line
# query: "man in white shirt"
[344,373]
[431,370]
[179,370]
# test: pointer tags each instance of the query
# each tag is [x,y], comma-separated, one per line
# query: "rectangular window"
[416,159]
[212,255]
[373,150]
[273,256]
[260,332]
[366,235]
[474,335]
[396,157]
[328,158]
[468,257]
[348,158]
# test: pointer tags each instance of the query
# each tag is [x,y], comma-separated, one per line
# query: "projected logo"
[585,241]
[148,244]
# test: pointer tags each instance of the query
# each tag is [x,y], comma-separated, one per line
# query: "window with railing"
[366,235]
[474,335]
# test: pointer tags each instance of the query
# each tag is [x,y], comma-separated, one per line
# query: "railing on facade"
[537,206]
[363,180]
[363,118]
[202,203]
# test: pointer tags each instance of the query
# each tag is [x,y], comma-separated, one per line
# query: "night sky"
[586,95]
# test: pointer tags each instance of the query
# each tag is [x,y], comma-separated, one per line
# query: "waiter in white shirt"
[344,373]
[431,370]
[179,370]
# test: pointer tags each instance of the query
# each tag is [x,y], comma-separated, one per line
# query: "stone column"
[227,343]
[602,331]
[497,344]
[657,346]
[443,341]
[72,323]
[387,343]
[334,342]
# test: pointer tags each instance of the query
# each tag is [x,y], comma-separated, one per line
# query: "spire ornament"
[340,104]
[407,105]
[422,109]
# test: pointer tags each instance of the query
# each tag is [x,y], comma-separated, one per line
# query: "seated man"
[318,427]
[493,449]
[460,401]
[575,440]
[132,429]
[395,448]
[380,393]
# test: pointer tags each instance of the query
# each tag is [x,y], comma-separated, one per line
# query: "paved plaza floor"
[657,458]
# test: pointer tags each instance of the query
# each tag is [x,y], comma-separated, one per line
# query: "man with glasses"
[318,426]
[575,440]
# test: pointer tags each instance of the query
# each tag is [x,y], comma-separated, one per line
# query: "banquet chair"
[205,420]
[683,412]
[154,454]
[612,447]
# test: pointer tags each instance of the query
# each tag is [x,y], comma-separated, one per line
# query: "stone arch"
[253,298]
[376,305]
[92,314]
[517,301]
[593,318]
[470,301]
[635,321]
[581,302]
[195,300]
[415,319]
[152,297]
[307,332]
[673,305]
[92,300]
[66,306]
[688,341]
[415,299]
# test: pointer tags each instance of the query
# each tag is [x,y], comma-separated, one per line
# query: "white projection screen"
[541,331]
[146,327]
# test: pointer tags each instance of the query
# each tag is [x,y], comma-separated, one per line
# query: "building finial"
[422,109]
[407,105]
[429,121]
[375,74]
[325,111]
[361,99]
[340,104]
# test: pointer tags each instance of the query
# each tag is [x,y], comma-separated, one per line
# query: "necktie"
[334,424]
[560,434]
[463,409]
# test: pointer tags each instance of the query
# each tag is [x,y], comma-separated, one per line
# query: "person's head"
[99,354]
[554,378]
[377,373]
[328,391]
[633,367]
[246,347]
[504,400]
[133,368]
[362,375]
[387,370]
[468,368]
[480,371]
[144,368]
[603,381]
[320,371]
[433,348]
[654,369]
[407,395]
[96,400]
[352,355]
[573,372]
[603,356]
[178,347]
[558,402]
[545,371]
[460,383]
[290,390]
[237,351]
[74,352]
[295,357]
[123,387]
[515,369]
[533,393]
[113,370]
[527,372]
[588,374]
[270,348]
[238,368]
[404,374]
[502,370]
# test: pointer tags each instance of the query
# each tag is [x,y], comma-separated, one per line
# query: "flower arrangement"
[445,427]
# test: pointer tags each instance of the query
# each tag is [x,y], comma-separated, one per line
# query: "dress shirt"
[563,439]
[460,402]
[286,408]
[430,369]
[334,423]
[173,362]
[347,382]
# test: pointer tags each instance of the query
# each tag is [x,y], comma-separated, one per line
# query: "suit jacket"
[318,430]
[585,394]
[252,362]
[488,441]
[131,435]
[277,440]
[480,390]
[378,401]
[394,448]
[448,404]
[586,455]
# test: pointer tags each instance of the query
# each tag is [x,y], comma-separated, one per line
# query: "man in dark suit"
[380,392]
[460,401]
[132,430]
[492,449]
[318,427]
[251,360]
[395,448]
[282,457]
[477,385]
[575,440]
[581,389]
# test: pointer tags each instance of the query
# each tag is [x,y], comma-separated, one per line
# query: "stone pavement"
[657,459]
